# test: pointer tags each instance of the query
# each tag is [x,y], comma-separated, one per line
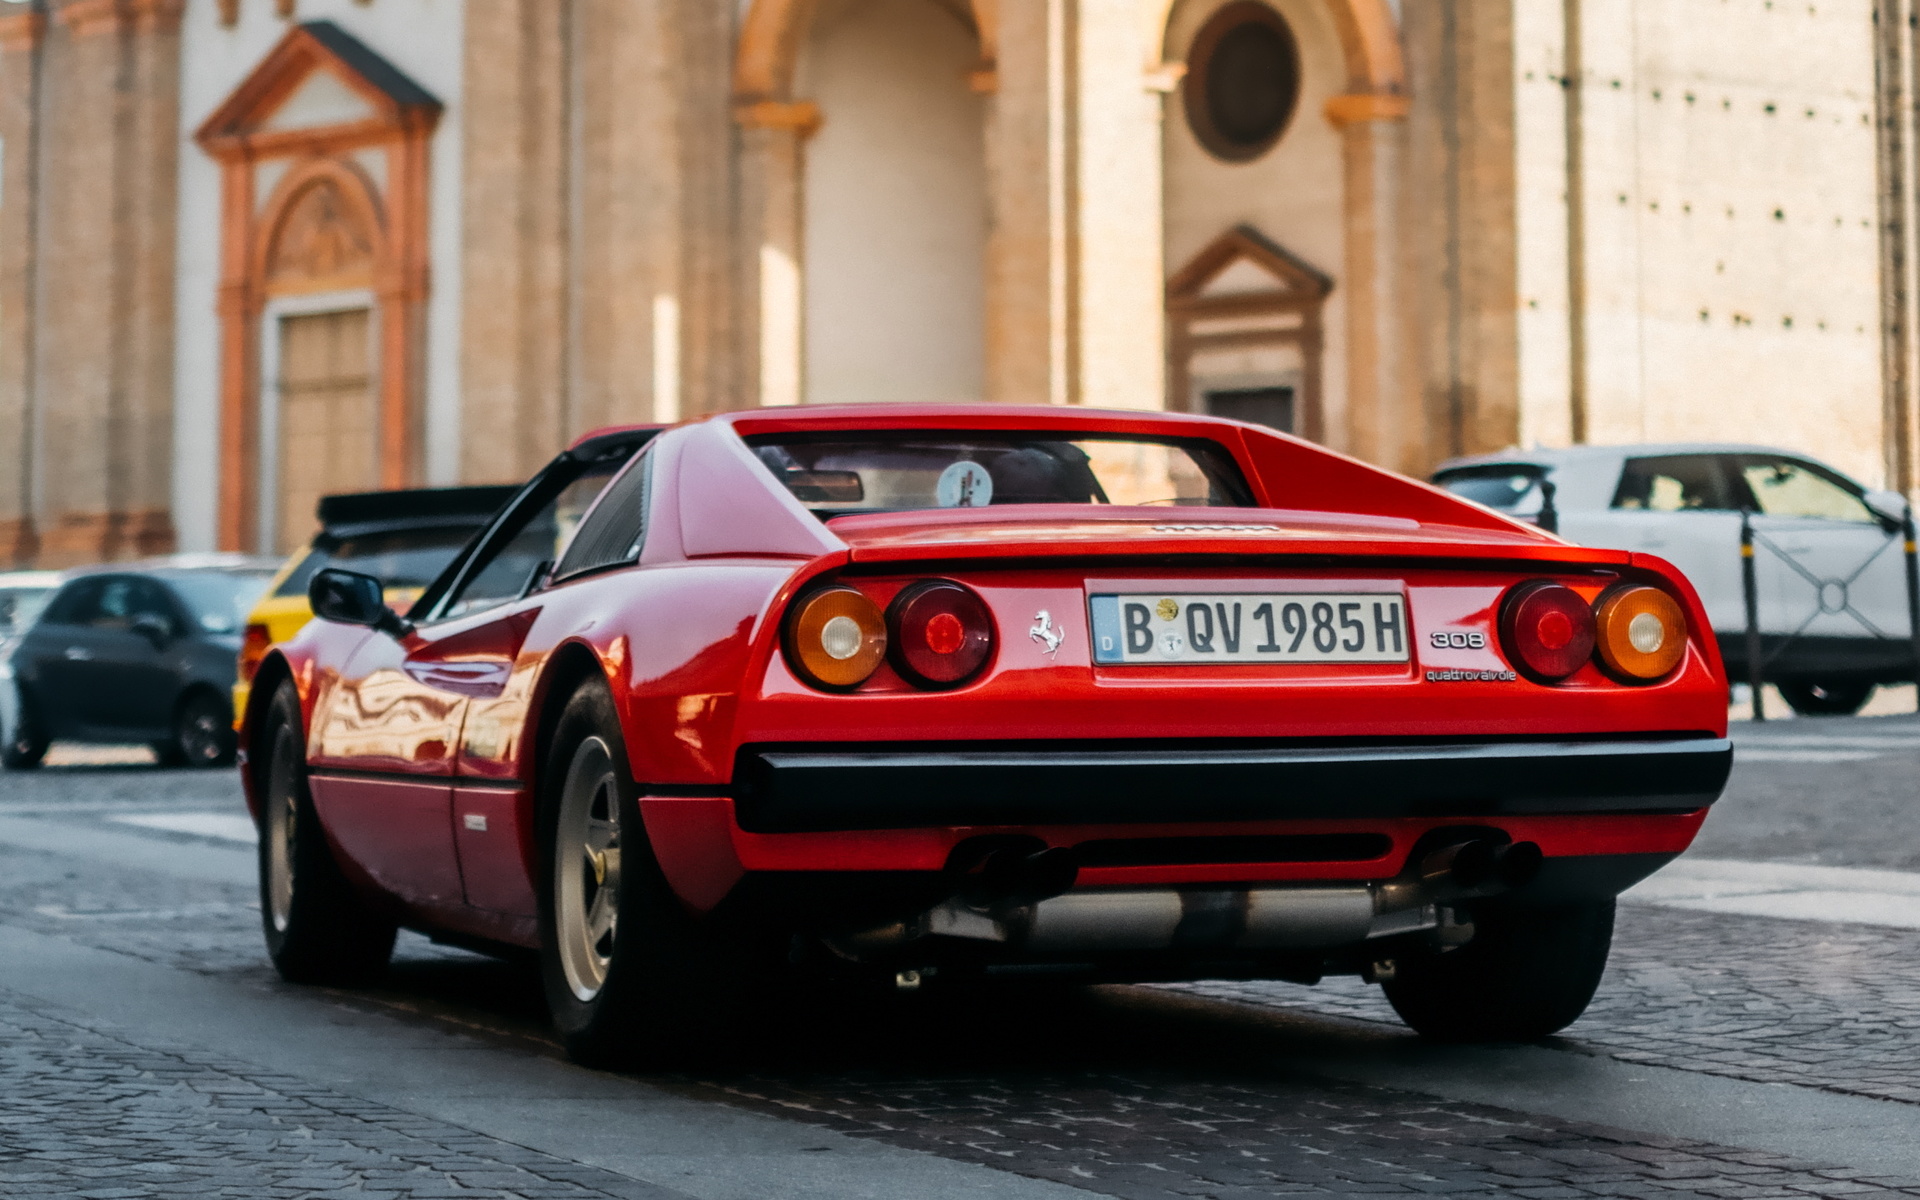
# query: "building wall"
[93,206]
[896,205]
[423,39]
[1725,167]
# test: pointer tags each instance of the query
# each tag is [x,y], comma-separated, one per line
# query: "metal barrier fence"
[1757,662]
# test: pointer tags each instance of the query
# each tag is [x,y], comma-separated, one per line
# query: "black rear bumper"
[815,789]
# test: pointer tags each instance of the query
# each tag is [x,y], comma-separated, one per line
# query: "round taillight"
[836,638]
[1547,629]
[1642,632]
[942,633]
[254,645]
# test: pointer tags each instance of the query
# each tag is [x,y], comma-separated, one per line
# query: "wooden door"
[329,422]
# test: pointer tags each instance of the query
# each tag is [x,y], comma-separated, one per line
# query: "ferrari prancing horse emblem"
[1044,632]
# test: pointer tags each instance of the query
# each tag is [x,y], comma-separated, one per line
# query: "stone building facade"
[256,250]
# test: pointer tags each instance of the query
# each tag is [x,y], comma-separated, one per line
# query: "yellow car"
[403,538]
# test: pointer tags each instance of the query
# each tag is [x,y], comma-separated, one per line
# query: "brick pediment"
[1244,265]
[319,84]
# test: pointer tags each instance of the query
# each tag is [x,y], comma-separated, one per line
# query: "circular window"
[1243,81]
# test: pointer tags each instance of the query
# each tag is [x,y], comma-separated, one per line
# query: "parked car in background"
[135,653]
[937,692]
[22,595]
[402,538]
[1833,621]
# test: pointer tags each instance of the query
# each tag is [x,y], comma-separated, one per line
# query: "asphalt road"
[1758,1034]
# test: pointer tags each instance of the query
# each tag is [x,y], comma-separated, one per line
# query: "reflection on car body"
[819,690]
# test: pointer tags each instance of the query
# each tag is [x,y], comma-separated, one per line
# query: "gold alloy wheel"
[586,869]
[282,813]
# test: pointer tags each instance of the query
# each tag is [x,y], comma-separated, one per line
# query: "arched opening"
[1246,148]
[894,230]
[320,419]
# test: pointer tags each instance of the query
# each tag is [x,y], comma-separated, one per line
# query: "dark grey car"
[134,655]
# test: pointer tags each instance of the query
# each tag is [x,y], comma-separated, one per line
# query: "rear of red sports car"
[1160,698]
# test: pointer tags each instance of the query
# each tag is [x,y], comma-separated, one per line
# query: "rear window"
[1508,487]
[410,558]
[840,474]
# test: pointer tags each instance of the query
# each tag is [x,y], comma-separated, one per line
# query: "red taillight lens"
[253,651]
[1547,629]
[941,633]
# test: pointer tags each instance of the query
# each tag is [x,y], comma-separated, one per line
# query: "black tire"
[26,745]
[1527,973]
[318,929]
[202,733]
[1814,699]
[653,988]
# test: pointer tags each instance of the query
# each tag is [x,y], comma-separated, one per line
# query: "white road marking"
[224,827]
[1790,891]
[1756,754]
[1887,741]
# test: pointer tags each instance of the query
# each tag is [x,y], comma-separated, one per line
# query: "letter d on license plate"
[1281,627]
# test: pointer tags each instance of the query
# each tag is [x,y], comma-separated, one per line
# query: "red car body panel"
[425,752]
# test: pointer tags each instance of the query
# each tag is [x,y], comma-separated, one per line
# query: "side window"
[614,531]
[1782,487]
[78,603]
[149,598]
[542,534]
[1675,483]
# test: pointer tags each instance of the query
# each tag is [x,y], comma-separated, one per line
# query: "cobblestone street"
[146,1049]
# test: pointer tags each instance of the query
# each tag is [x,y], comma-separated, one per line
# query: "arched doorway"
[324,280]
[895,225]
[320,416]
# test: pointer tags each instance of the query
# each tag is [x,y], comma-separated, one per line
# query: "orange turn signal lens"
[836,638]
[1643,633]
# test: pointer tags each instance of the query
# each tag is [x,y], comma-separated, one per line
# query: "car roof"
[174,566]
[957,415]
[1542,456]
[30,579]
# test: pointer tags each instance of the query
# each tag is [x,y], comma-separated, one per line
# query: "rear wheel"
[1527,973]
[1814,699]
[26,745]
[630,977]
[318,929]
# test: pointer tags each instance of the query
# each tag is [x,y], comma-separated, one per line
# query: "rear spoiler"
[422,506]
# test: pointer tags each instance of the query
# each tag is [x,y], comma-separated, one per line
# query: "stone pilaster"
[1029,196]
[22,35]
[1464,300]
[514,314]
[103,325]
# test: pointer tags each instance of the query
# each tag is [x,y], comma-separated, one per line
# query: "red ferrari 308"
[938,694]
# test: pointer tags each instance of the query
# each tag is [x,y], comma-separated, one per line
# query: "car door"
[1683,508]
[49,661]
[385,744]
[1825,564]
[133,677]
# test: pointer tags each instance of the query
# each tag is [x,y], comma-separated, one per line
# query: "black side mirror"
[350,598]
[154,627]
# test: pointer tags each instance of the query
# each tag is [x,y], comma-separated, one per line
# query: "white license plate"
[1281,627]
